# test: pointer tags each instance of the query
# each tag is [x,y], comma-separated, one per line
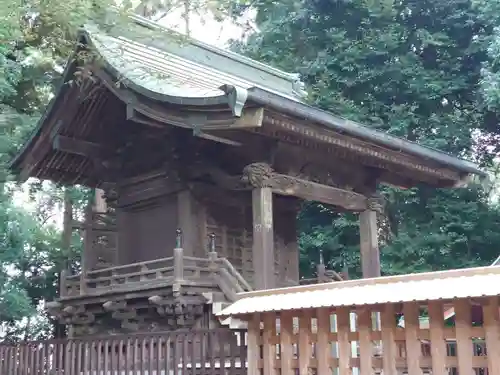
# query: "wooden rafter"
[77,146]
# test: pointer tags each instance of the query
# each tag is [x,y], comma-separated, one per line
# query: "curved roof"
[181,71]
[170,69]
[185,71]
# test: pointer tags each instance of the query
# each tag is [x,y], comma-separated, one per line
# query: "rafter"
[77,146]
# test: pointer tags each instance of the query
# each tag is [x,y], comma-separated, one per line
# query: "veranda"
[372,326]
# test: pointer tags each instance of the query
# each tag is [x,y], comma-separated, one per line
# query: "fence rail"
[214,352]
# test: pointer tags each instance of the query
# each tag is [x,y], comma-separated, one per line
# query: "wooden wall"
[152,207]
[233,229]
[147,218]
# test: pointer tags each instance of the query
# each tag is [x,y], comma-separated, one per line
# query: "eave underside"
[100,114]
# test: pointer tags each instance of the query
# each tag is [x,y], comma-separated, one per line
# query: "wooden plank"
[4,358]
[413,347]
[20,368]
[438,343]
[323,347]
[263,237]
[286,345]
[250,118]
[364,328]
[344,345]
[159,352]
[253,344]
[491,314]
[370,254]
[305,349]
[10,362]
[107,350]
[60,362]
[389,354]
[463,323]
[269,349]
[213,354]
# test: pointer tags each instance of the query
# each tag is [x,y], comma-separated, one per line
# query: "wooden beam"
[263,237]
[250,118]
[312,191]
[261,174]
[76,146]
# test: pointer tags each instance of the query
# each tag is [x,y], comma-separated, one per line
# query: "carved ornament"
[376,203]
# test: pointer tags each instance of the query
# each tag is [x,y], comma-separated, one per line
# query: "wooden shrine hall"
[203,157]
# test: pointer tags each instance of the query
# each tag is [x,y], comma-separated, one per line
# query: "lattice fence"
[384,339]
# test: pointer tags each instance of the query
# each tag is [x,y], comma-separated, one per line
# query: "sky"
[204,26]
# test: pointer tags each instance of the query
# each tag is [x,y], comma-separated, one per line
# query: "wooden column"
[263,238]
[187,222]
[88,248]
[370,255]
[66,241]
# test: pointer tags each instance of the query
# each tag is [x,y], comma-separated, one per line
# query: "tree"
[410,68]
[37,37]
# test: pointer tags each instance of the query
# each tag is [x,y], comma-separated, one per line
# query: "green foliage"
[35,40]
[413,69]
[424,70]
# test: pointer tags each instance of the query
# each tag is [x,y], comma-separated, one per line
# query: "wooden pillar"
[263,238]
[88,248]
[370,255]
[187,222]
[66,241]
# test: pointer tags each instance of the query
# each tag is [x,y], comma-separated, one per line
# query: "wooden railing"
[322,276]
[217,352]
[179,269]
[355,340]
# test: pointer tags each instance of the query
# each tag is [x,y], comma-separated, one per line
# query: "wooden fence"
[200,352]
[367,340]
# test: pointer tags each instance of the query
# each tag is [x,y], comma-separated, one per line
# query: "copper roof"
[188,75]
[472,282]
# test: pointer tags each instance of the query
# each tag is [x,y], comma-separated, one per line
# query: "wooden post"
[263,241]
[370,255]
[212,254]
[178,258]
[63,289]
[187,222]
[320,268]
[87,255]
[66,241]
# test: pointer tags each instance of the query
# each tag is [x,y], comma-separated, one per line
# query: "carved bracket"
[376,203]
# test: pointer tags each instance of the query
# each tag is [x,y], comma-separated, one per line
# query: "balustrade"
[171,271]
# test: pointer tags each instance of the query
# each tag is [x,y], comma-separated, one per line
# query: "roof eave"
[15,164]
[465,168]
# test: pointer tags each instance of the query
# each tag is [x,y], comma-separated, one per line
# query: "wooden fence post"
[212,254]
[178,258]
